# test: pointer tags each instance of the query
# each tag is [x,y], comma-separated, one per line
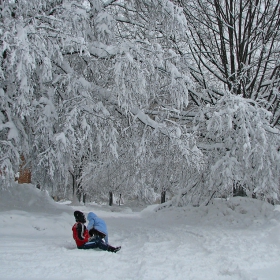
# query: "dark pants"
[95,243]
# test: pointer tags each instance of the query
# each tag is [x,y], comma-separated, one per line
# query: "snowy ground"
[237,239]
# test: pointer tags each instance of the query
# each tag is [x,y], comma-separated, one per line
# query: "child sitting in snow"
[97,226]
[84,240]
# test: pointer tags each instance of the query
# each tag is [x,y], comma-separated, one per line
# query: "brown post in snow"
[24,172]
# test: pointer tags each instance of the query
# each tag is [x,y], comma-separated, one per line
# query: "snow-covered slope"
[235,239]
[26,197]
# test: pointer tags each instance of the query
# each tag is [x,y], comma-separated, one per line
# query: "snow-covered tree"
[95,95]
[241,154]
[235,46]
[241,146]
[75,72]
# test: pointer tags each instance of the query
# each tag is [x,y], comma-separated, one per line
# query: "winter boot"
[117,249]
[113,249]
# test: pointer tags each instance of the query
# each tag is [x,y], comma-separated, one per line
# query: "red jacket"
[80,234]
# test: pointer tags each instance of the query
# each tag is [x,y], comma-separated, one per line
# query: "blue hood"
[91,216]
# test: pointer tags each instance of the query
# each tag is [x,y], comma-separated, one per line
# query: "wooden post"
[24,172]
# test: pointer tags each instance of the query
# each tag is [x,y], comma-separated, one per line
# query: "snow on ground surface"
[235,239]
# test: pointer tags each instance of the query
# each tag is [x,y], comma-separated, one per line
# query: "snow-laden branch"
[101,50]
[108,3]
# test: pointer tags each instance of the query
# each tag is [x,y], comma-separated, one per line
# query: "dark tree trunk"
[162,198]
[73,184]
[110,198]
[75,198]
[84,198]
[79,193]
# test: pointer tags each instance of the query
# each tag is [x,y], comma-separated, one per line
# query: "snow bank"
[235,213]
[27,197]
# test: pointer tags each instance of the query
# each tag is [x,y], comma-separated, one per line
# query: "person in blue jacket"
[96,223]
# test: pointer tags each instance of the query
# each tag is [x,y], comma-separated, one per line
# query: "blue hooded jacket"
[97,223]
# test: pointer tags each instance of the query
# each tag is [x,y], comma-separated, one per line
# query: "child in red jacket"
[83,238]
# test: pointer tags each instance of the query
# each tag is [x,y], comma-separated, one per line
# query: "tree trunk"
[84,198]
[75,199]
[79,193]
[110,198]
[162,198]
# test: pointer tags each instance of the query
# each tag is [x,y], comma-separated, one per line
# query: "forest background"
[142,98]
